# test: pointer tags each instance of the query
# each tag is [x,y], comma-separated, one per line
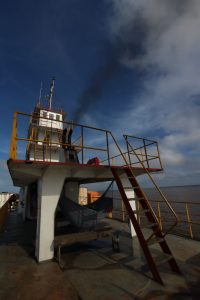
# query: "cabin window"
[58,117]
[44,114]
[51,116]
[34,121]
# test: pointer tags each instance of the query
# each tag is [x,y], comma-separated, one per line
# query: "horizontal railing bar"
[65,122]
[140,138]
[114,156]
[142,154]
[57,143]
[183,202]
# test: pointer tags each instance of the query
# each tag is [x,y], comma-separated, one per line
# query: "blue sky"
[140,59]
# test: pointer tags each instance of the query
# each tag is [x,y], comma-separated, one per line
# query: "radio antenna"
[51,92]
[40,95]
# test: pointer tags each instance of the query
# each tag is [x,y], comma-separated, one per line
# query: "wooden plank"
[68,239]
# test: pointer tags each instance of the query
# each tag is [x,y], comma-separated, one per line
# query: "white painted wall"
[130,195]
[49,189]
[52,123]
[4,198]
[55,155]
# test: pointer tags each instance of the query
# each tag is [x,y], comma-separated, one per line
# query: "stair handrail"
[130,168]
[157,188]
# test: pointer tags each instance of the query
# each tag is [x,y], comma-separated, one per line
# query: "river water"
[178,196]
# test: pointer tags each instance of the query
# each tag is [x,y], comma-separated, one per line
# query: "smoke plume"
[123,48]
[93,92]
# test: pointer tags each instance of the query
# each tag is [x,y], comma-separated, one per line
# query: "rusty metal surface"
[92,270]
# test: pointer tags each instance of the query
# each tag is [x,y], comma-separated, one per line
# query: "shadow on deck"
[92,270]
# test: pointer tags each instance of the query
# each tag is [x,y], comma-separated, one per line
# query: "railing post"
[138,210]
[123,213]
[159,216]
[159,155]
[127,147]
[108,153]
[13,144]
[82,143]
[145,150]
[189,221]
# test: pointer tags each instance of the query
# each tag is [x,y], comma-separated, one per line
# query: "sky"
[130,66]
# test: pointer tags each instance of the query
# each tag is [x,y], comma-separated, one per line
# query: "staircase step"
[150,225]
[155,240]
[162,258]
[131,188]
[140,212]
[139,198]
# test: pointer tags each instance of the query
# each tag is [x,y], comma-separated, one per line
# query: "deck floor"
[92,270]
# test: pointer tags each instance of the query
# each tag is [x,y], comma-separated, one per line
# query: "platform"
[24,172]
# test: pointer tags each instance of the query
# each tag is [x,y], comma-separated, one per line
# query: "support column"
[130,195]
[49,190]
[133,206]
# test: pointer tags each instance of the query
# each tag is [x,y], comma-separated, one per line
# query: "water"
[180,194]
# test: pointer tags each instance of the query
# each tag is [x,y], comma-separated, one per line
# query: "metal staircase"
[157,236]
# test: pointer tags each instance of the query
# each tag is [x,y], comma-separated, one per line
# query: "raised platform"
[24,172]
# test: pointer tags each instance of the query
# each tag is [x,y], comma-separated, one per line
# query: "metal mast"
[51,92]
[40,95]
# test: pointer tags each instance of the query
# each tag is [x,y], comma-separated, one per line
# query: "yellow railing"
[13,144]
[186,214]
[187,209]
[141,162]
[19,134]
[25,131]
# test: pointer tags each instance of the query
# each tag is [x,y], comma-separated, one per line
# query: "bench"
[72,238]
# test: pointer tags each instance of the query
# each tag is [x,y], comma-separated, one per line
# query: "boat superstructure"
[58,156]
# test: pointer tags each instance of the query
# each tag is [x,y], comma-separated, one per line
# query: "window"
[58,117]
[51,116]
[44,114]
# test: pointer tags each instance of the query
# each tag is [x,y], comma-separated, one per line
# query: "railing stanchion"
[107,143]
[159,156]
[123,213]
[159,216]
[82,143]
[127,146]
[189,221]
[145,150]
[13,144]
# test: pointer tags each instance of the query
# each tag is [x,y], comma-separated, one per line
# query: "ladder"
[157,236]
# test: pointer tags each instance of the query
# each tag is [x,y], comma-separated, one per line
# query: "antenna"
[40,95]
[51,92]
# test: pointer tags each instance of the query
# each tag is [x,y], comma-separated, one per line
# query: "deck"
[92,270]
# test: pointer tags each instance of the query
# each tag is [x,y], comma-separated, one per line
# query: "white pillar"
[49,189]
[133,206]
[130,194]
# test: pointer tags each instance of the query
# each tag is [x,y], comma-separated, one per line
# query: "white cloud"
[170,101]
